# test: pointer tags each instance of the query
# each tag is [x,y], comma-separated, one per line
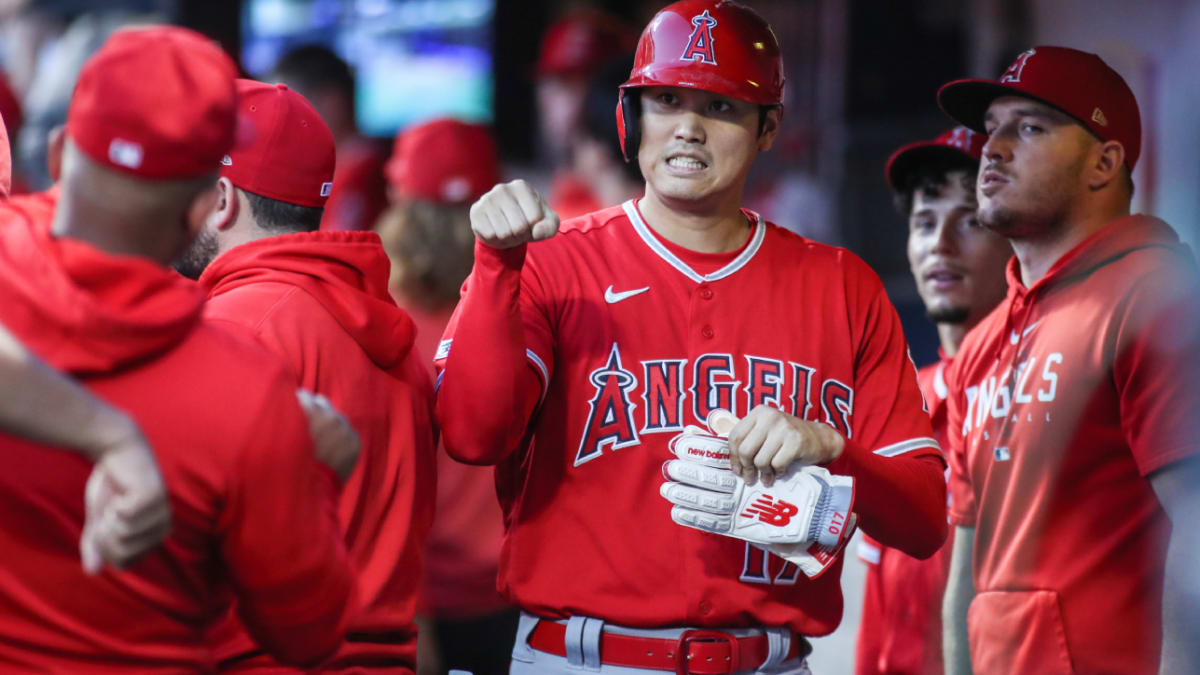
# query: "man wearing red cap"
[438,168]
[152,113]
[320,300]
[1072,409]
[579,362]
[958,267]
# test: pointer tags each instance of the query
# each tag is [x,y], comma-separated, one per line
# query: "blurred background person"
[596,158]
[438,169]
[573,50]
[958,267]
[317,298]
[359,192]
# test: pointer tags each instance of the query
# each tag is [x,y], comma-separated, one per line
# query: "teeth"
[685,163]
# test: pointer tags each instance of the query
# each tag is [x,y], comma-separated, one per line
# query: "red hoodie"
[250,507]
[321,301]
[1063,402]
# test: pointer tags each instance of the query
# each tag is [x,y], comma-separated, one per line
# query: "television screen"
[413,59]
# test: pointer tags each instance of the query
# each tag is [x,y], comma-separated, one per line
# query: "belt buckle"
[690,636]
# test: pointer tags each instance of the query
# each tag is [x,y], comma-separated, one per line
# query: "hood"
[1114,241]
[83,310]
[347,272]
[1122,236]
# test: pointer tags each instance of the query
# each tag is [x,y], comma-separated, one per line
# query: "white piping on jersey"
[939,382]
[760,232]
[869,553]
[541,366]
[908,446]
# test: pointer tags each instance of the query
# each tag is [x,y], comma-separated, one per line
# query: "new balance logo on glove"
[771,511]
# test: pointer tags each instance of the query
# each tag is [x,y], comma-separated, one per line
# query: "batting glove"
[804,517]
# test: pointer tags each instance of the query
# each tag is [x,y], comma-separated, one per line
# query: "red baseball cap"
[155,102]
[287,152]
[444,161]
[959,141]
[1078,83]
[581,42]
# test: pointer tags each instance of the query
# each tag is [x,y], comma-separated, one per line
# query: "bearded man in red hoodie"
[320,299]
[151,116]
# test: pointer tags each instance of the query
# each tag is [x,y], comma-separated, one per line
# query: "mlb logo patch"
[443,350]
[125,153]
[326,188]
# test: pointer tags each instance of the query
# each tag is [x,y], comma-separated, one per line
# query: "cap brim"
[904,160]
[967,101]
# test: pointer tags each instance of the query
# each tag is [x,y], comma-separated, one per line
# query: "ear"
[770,127]
[202,211]
[225,207]
[1108,164]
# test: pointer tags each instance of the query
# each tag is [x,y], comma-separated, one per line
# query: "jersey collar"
[639,226]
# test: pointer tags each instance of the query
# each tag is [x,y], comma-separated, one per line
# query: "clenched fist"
[511,214]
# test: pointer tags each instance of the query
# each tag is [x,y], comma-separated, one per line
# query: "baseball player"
[575,358]
[1072,408]
[152,113]
[959,270]
[437,170]
[320,300]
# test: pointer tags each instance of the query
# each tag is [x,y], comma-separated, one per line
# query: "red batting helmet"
[715,45]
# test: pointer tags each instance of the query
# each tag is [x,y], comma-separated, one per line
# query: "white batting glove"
[804,517]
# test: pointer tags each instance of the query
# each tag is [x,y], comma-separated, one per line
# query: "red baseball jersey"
[1063,401]
[632,338]
[320,301]
[901,628]
[251,510]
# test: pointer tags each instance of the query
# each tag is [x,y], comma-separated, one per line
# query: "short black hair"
[279,217]
[930,175]
[599,106]
[312,67]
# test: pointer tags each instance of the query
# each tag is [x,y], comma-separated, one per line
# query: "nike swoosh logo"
[1014,338]
[610,297]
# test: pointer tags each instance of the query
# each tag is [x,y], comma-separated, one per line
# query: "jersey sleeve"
[280,537]
[962,495]
[1157,341]
[495,360]
[890,449]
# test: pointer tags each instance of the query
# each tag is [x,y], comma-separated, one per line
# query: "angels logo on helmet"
[700,43]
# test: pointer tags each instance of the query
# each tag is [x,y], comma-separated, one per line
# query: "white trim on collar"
[760,232]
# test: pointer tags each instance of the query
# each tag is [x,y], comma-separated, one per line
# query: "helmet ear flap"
[629,128]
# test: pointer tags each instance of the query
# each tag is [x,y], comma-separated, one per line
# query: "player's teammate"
[959,270]
[320,300]
[1072,412]
[437,170]
[573,360]
[150,118]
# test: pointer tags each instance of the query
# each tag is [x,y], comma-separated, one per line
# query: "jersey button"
[706,293]
[705,607]
[707,332]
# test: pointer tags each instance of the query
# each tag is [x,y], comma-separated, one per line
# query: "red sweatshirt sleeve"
[281,540]
[900,501]
[494,361]
[900,487]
